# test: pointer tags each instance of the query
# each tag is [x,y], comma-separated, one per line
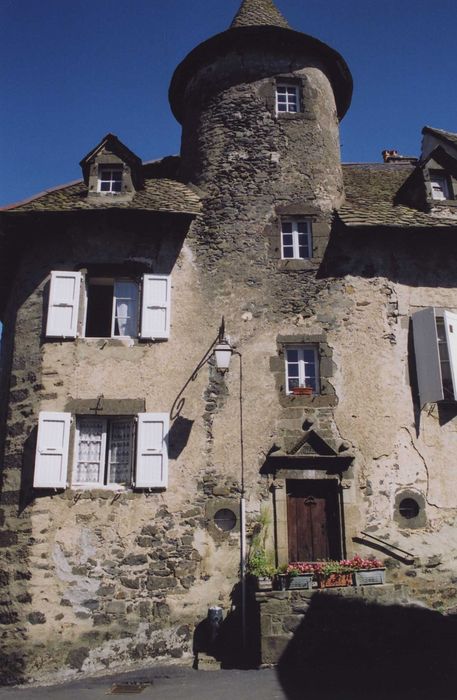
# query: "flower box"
[264,583]
[334,580]
[302,391]
[370,577]
[300,582]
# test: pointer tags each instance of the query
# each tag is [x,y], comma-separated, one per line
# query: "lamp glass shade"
[222,354]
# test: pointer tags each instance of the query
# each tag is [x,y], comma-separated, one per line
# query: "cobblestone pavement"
[165,683]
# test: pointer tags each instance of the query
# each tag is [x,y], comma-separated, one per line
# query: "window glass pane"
[104,186]
[302,226]
[292,383]
[117,186]
[99,311]
[89,455]
[126,305]
[120,451]
[292,355]
[303,251]
[286,226]
[287,239]
[288,253]
[282,108]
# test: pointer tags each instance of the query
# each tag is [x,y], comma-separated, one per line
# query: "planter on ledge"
[300,582]
[302,391]
[334,580]
[370,577]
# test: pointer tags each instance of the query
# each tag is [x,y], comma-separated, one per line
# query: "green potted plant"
[261,568]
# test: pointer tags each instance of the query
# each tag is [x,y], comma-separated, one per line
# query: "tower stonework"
[249,158]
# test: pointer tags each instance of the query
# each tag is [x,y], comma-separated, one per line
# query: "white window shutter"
[155,310]
[152,451]
[450,324]
[63,307]
[51,458]
[427,356]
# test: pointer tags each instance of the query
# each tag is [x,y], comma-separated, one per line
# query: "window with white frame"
[110,178]
[296,238]
[287,98]
[302,368]
[103,451]
[439,183]
[109,452]
[112,307]
[435,350]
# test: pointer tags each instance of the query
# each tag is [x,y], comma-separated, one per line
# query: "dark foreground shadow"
[349,650]
[225,642]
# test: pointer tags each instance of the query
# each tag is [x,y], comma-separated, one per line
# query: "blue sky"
[74,70]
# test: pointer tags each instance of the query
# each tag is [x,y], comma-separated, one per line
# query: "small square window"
[302,369]
[287,98]
[110,179]
[440,185]
[296,239]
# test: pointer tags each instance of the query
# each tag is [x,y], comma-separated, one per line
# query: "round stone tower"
[260,106]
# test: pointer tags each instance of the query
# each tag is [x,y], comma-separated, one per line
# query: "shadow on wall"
[350,650]
[225,642]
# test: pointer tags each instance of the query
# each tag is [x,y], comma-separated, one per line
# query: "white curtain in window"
[120,451]
[90,451]
[126,306]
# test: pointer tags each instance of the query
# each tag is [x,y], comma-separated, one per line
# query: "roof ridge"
[259,12]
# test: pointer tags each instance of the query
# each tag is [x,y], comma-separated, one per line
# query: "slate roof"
[370,199]
[441,134]
[159,195]
[258,12]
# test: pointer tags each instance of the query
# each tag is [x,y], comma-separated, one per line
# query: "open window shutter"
[63,304]
[155,311]
[52,450]
[152,450]
[450,324]
[427,356]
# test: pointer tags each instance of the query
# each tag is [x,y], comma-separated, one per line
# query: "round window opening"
[225,519]
[409,508]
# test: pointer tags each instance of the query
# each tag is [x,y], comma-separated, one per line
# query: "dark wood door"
[313,520]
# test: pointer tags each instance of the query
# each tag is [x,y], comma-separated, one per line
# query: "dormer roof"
[112,145]
[446,136]
[259,12]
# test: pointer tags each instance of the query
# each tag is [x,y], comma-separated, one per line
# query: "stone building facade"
[121,466]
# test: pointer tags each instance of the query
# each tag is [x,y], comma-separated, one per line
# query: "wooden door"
[313,520]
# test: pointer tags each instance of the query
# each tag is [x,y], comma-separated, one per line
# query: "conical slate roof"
[259,12]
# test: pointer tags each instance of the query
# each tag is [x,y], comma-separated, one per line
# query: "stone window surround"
[110,161]
[270,95]
[211,508]
[410,523]
[327,395]
[320,233]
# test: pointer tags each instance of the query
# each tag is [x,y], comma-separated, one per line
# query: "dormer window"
[110,179]
[287,98]
[440,185]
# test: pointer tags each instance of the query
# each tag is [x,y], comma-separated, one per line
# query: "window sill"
[121,341]
[294,264]
[315,401]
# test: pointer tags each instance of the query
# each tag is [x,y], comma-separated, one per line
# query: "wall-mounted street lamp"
[221,351]
[222,355]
